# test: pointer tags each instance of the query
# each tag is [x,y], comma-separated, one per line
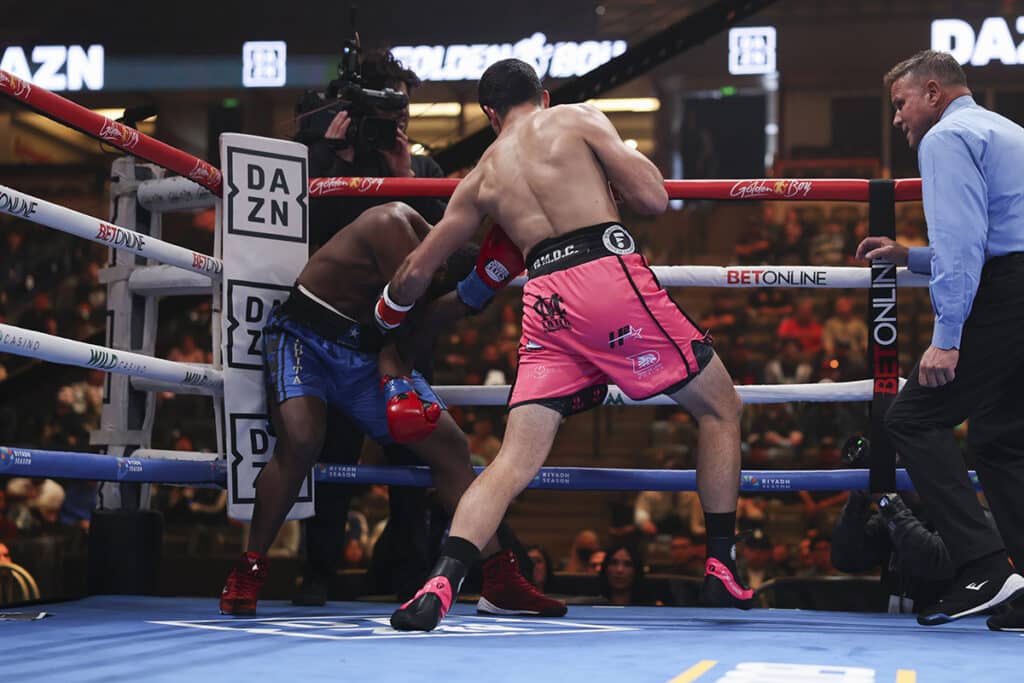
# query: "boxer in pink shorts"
[593,314]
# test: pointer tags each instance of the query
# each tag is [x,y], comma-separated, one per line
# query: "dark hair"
[548,568]
[381,70]
[638,591]
[928,64]
[507,83]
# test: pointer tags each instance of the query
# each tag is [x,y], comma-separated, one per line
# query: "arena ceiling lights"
[636,105]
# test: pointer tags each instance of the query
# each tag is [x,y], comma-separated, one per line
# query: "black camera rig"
[367,130]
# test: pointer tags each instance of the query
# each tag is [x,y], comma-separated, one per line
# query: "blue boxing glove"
[500,260]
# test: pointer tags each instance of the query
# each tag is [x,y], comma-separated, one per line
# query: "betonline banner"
[468,62]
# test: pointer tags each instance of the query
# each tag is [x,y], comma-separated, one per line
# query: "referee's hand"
[882,248]
[937,367]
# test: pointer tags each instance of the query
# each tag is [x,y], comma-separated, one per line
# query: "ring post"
[265,238]
[883,348]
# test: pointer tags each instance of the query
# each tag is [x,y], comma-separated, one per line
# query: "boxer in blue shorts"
[323,348]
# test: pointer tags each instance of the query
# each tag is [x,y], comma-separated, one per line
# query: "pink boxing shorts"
[594,313]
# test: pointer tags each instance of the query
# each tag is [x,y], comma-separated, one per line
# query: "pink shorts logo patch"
[618,241]
[620,335]
[551,312]
[646,363]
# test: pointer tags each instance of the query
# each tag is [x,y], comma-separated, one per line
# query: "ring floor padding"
[109,638]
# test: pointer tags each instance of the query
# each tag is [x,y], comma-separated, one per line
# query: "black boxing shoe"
[974,592]
[1010,618]
[722,589]
[312,592]
[428,607]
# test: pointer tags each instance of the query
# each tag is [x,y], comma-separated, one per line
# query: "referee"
[973,191]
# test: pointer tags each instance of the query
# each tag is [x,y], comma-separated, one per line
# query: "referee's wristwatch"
[886,500]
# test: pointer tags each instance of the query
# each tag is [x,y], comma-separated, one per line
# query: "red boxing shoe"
[722,589]
[242,588]
[506,591]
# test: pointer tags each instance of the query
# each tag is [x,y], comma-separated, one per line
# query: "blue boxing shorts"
[335,362]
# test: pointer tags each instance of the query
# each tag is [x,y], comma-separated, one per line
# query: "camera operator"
[915,563]
[356,142]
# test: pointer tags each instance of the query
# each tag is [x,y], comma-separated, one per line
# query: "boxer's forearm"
[391,363]
[410,281]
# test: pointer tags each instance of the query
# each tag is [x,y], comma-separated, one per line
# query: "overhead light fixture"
[627,104]
[112,114]
[115,113]
[444,110]
[435,109]
[631,143]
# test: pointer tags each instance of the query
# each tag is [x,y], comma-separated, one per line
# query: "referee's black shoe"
[312,592]
[974,591]
[1010,618]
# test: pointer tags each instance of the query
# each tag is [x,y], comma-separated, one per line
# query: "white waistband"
[326,305]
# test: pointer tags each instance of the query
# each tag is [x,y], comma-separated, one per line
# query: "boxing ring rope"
[69,352]
[24,462]
[839,392]
[139,144]
[765,189]
[183,378]
[100,127]
[173,194]
[21,205]
[820,277]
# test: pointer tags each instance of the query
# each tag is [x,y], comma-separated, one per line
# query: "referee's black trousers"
[988,390]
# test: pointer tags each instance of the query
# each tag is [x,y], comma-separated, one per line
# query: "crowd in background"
[764,335]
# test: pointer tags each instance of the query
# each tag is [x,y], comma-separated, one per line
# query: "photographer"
[916,566]
[354,142]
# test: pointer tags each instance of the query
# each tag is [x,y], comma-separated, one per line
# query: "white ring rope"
[174,194]
[157,453]
[54,216]
[59,350]
[819,277]
[859,390]
[193,378]
[168,281]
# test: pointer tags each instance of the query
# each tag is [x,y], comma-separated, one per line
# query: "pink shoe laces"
[722,573]
[439,586]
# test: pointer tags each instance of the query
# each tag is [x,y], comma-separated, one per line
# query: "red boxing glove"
[410,418]
[388,314]
[500,260]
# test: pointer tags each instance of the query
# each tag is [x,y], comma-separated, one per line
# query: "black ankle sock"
[723,549]
[721,530]
[461,550]
[506,537]
[720,524]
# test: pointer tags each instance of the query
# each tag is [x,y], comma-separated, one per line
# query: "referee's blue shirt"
[972,172]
